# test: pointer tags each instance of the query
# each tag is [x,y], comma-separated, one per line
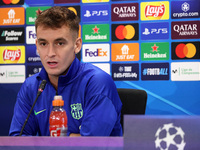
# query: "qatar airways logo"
[122,12]
[185,30]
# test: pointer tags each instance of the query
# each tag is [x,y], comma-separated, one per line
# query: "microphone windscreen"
[42,85]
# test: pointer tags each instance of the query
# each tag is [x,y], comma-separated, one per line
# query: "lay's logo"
[155,10]
[12,54]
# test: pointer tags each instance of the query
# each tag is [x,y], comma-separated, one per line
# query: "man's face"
[57,48]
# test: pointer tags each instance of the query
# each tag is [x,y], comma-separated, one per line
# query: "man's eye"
[43,44]
[60,43]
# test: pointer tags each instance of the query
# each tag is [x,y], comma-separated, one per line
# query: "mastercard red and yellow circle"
[11,1]
[185,50]
[125,32]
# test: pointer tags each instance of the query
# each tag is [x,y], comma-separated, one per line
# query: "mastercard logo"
[11,1]
[185,50]
[125,32]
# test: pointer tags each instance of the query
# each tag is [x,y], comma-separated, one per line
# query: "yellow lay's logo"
[155,10]
[12,54]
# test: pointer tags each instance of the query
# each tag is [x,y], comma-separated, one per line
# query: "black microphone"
[41,87]
[40,90]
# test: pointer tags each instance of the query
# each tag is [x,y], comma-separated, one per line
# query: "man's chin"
[53,73]
[56,72]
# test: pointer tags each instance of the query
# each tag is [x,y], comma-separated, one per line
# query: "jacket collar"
[64,79]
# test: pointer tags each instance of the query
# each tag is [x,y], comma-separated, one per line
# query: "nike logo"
[36,113]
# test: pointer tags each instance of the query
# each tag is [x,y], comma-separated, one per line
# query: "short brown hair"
[56,17]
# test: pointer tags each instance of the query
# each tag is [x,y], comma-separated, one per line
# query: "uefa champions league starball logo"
[170,137]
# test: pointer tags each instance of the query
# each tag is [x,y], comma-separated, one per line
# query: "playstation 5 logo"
[150,31]
[155,31]
[96,13]
[146,31]
[87,14]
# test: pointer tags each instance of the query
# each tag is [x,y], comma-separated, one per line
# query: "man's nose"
[51,51]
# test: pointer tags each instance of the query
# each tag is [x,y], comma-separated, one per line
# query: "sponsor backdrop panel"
[142,44]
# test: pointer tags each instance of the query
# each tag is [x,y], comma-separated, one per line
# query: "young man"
[84,87]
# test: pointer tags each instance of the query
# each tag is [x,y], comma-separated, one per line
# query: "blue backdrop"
[170,78]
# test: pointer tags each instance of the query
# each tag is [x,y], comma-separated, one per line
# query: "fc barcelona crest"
[77,111]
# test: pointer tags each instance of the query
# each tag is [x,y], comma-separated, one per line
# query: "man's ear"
[78,45]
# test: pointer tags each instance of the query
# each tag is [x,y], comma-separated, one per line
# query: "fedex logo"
[96,52]
[30,35]
[95,13]
[155,31]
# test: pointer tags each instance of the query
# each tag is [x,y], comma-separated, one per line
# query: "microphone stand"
[40,90]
